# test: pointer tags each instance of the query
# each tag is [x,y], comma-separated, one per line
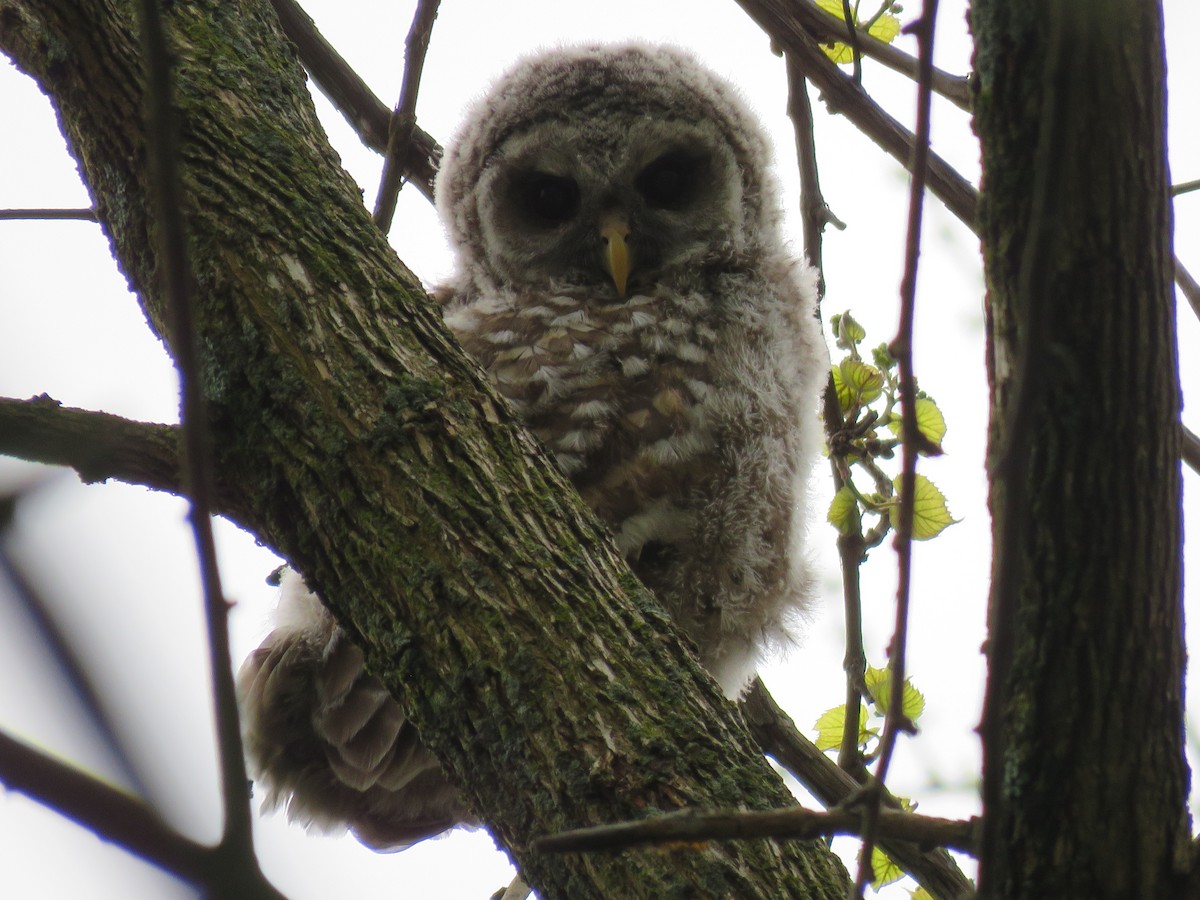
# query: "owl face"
[615,206]
[607,168]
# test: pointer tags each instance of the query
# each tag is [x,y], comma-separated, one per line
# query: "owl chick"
[622,279]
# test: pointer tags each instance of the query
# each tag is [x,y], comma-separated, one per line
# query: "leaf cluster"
[868,395]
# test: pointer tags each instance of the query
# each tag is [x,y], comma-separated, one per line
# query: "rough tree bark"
[1085,783]
[374,456]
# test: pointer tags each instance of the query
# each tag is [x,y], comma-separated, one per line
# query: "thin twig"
[1191,448]
[850,33]
[166,189]
[815,213]
[365,112]
[895,720]
[1185,187]
[86,215]
[404,119]
[1188,286]
[797,823]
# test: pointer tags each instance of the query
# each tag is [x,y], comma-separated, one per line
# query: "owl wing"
[326,740]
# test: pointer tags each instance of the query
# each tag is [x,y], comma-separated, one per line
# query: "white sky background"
[119,560]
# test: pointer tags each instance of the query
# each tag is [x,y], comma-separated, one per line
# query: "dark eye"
[548,200]
[671,181]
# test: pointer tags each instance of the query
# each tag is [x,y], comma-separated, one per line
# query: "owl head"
[608,168]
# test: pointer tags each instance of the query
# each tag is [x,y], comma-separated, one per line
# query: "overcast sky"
[118,559]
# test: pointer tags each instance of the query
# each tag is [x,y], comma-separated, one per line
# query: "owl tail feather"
[325,740]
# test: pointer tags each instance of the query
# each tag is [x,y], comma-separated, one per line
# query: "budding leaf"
[857,383]
[849,332]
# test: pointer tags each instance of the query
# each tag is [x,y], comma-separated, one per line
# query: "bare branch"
[777,734]
[814,211]
[895,720]
[117,818]
[796,824]
[166,193]
[1188,286]
[1185,187]
[365,112]
[404,120]
[826,27]
[80,682]
[87,215]
[112,815]
[1191,449]
[781,20]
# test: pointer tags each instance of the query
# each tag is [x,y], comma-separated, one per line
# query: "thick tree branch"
[1188,286]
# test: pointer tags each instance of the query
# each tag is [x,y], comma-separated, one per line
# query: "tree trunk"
[373,455]
[1085,783]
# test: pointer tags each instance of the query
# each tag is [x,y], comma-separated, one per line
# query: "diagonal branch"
[365,112]
[826,27]
[112,814]
[1191,448]
[795,824]
[117,818]
[776,733]
[404,120]
[842,95]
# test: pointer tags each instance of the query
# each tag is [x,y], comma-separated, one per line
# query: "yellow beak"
[614,232]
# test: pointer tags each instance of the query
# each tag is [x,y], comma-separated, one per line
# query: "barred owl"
[622,279]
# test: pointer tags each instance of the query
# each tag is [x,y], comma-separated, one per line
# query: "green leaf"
[930,421]
[885,28]
[879,686]
[886,871]
[849,332]
[930,515]
[859,382]
[832,723]
[920,894]
[843,511]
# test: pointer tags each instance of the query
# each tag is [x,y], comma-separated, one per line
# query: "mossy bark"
[1085,784]
[372,454]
